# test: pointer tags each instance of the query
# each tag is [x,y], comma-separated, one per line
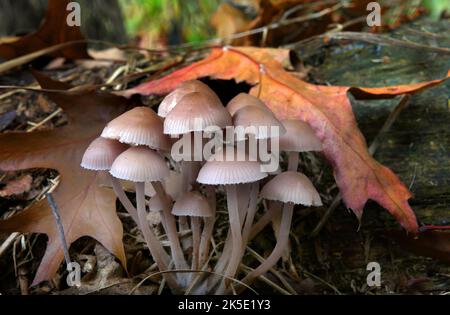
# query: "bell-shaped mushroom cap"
[171,100]
[101,153]
[291,187]
[173,185]
[230,168]
[195,112]
[140,164]
[192,204]
[156,205]
[299,137]
[243,100]
[258,122]
[139,126]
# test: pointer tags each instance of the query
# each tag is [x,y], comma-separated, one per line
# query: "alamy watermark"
[374,17]
[74,15]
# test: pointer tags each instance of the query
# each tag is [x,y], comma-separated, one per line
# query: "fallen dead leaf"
[87,208]
[53,31]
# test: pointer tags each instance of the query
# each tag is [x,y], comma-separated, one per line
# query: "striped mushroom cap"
[140,164]
[244,100]
[258,122]
[229,169]
[139,126]
[101,153]
[192,204]
[171,100]
[195,112]
[299,137]
[291,187]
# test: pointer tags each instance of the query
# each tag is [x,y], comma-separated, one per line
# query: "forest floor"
[334,259]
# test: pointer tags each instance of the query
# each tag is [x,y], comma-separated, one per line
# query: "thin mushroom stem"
[251,212]
[264,220]
[124,200]
[159,255]
[195,242]
[172,234]
[205,242]
[282,242]
[293,160]
[236,233]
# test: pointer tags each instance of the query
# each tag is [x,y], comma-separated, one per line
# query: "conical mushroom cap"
[156,205]
[101,153]
[299,137]
[292,187]
[259,122]
[139,126]
[195,112]
[192,204]
[140,164]
[243,100]
[171,100]
[230,169]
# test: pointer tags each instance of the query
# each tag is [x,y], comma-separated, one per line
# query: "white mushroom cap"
[140,164]
[192,204]
[230,169]
[139,126]
[259,122]
[195,112]
[299,137]
[291,187]
[101,153]
[243,100]
[171,100]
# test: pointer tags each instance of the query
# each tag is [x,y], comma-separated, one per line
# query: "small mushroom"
[140,165]
[171,100]
[139,126]
[194,205]
[289,188]
[299,137]
[227,169]
[243,100]
[99,156]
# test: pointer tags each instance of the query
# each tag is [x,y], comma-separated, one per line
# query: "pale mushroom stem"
[195,242]
[208,229]
[251,212]
[172,234]
[264,220]
[159,255]
[124,200]
[236,233]
[293,160]
[280,247]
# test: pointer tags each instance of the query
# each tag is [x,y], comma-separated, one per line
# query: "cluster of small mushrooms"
[136,147]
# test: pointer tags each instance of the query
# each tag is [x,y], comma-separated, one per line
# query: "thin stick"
[60,226]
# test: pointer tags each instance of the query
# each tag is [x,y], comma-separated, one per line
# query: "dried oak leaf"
[86,207]
[16,187]
[326,108]
[54,30]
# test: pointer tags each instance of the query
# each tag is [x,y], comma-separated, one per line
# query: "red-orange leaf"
[326,108]
[87,208]
[53,31]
